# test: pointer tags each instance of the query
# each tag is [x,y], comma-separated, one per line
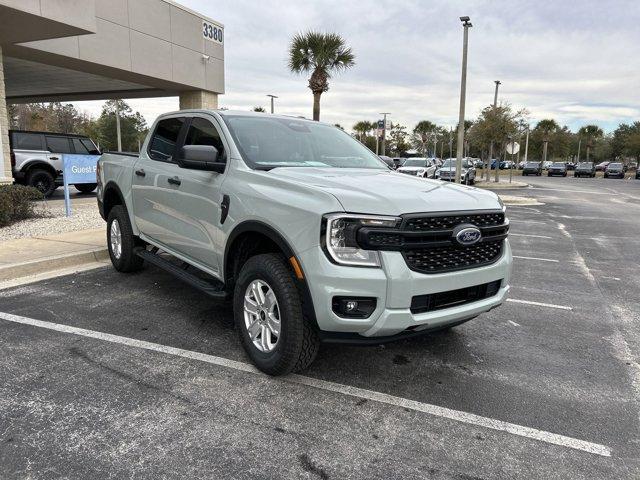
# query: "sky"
[575,61]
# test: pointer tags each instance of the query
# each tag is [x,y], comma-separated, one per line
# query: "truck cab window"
[164,140]
[203,132]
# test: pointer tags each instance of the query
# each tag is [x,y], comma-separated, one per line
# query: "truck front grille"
[445,259]
[428,244]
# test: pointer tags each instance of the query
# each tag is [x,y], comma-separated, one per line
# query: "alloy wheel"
[262,316]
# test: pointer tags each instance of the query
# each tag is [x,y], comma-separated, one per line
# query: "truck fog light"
[353,307]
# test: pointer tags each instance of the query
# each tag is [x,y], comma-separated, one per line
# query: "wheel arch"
[38,164]
[253,237]
[111,197]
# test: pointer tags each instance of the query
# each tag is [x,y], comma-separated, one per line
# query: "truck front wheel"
[268,315]
[121,241]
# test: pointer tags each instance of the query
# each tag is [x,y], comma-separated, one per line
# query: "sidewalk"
[36,255]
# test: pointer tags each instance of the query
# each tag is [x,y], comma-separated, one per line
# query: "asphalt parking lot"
[155,385]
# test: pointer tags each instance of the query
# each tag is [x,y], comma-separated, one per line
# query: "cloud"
[573,61]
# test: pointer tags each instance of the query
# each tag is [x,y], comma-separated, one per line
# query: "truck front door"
[180,208]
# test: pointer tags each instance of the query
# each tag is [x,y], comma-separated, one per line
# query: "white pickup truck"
[313,237]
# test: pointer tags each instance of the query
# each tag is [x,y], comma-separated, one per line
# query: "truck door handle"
[174,180]
[140,173]
[54,158]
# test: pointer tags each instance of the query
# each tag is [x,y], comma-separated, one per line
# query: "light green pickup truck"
[311,235]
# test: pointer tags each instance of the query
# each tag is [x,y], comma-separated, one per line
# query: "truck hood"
[388,193]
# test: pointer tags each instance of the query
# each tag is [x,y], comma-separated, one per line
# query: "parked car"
[532,168]
[585,169]
[507,164]
[494,162]
[602,166]
[571,166]
[398,161]
[546,164]
[305,229]
[420,167]
[36,158]
[447,171]
[614,170]
[557,168]
[638,174]
[388,160]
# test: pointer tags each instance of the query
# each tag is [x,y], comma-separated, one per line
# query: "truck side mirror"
[200,157]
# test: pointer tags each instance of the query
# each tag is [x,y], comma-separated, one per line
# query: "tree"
[362,128]
[495,124]
[424,133]
[322,54]
[133,127]
[259,109]
[542,135]
[592,133]
[397,140]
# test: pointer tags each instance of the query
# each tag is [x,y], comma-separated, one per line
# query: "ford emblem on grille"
[467,235]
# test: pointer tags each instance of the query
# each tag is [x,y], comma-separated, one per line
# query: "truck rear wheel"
[121,241]
[267,309]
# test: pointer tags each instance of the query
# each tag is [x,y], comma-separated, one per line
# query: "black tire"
[298,342]
[86,187]
[127,260]
[43,180]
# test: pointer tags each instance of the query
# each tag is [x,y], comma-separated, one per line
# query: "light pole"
[526,146]
[118,132]
[272,97]
[463,92]
[384,131]
[495,104]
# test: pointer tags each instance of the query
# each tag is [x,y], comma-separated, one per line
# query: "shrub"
[16,203]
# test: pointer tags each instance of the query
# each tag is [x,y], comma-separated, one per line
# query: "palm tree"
[321,54]
[547,127]
[362,128]
[422,133]
[592,132]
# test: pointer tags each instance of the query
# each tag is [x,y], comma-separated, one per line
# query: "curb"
[501,185]
[47,264]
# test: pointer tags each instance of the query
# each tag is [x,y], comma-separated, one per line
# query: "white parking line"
[443,412]
[527,235]
[539,304]
[537,259]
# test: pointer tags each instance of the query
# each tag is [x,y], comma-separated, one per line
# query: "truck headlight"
[339,238]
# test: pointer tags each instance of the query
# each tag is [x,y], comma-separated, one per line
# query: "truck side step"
[213,288]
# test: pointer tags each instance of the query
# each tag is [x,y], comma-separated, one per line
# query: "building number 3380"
[212,32]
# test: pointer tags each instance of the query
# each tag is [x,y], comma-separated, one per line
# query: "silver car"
[36,158]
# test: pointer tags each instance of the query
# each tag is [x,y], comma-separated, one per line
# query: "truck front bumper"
[394,286]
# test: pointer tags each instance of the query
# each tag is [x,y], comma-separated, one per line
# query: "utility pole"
[579,144]
[272,97]
[118,132]
[495,105]
[463,93]
[384,131]
[526,146]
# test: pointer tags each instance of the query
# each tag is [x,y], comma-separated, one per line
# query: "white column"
[5,158]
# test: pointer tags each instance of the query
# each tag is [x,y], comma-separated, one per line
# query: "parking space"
[547,386]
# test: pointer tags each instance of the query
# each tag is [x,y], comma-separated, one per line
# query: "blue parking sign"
[77,169]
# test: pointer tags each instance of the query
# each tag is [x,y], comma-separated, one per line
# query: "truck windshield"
[270,142]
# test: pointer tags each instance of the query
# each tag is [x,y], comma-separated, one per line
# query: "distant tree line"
[497,125]
[65,118]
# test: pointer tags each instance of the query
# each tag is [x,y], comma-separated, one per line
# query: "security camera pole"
[495,104]
[463,91]
[272,97]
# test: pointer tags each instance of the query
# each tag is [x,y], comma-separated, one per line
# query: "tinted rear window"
[165,137]
[26,141]
[615,165]
[58,144]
